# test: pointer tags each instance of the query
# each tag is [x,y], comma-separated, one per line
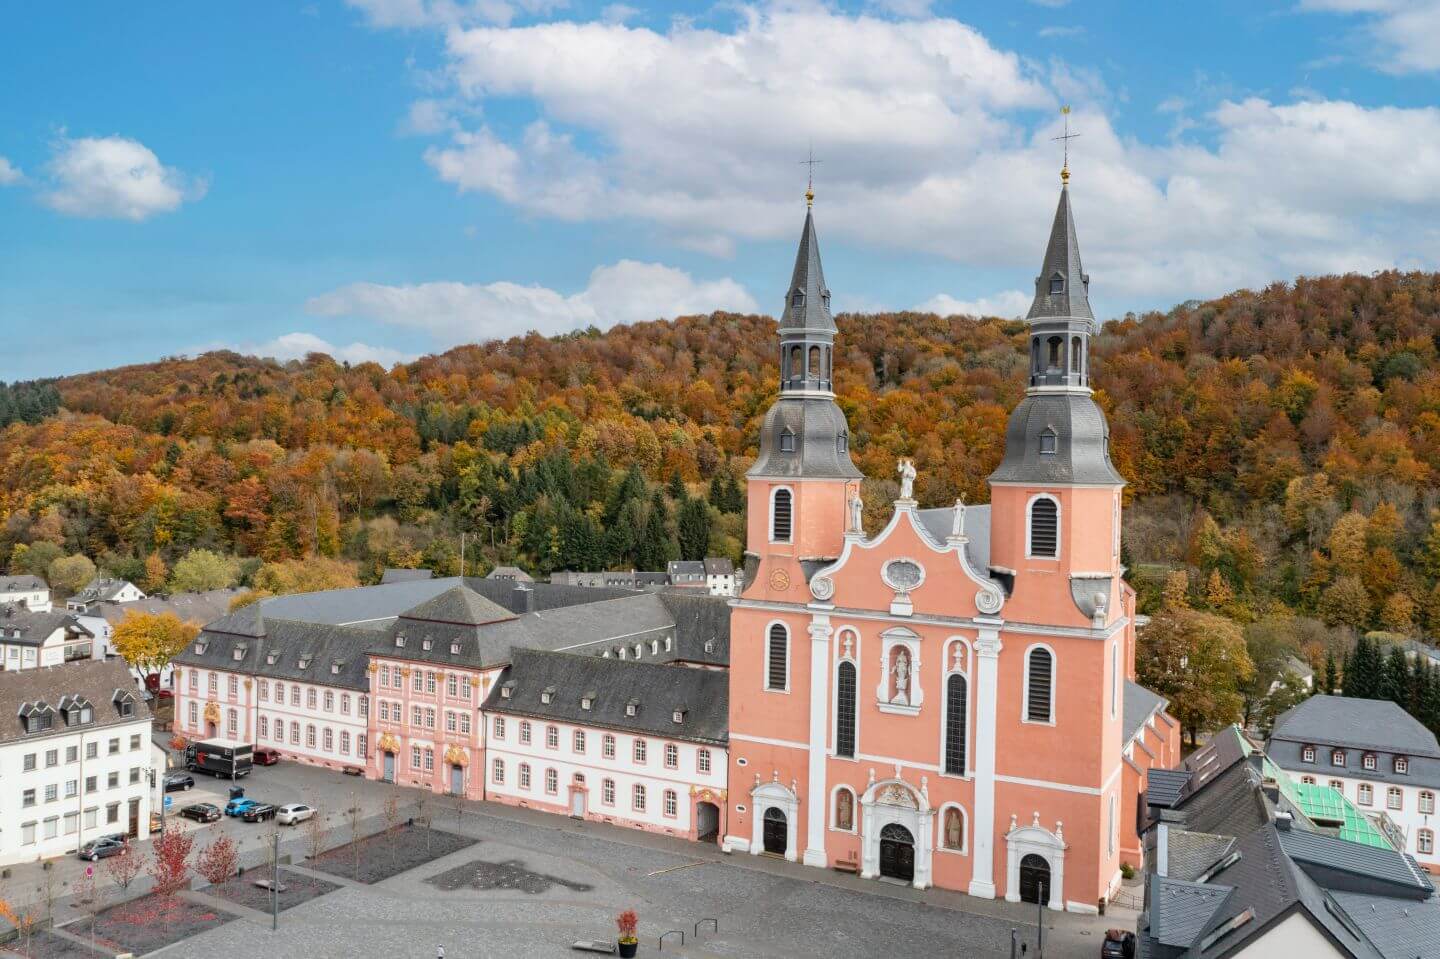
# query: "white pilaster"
[815,792]
[987,654]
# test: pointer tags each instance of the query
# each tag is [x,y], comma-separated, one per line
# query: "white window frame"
[1059,515]
[1054,686]
[1395,798]
[789,651]
[1114,679]
[770,532]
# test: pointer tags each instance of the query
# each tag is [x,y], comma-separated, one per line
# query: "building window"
[845,710]
[1057,285]
[497,772]
[1047,443]
[1337,758]
[264,727]
[552,737]
[1308,780]
[578,741]
[787,441]
[607,747]
[465,724]
[1427,802]
[310,736]
[328,740]
[279,730]
[607,792]
[1425,842]
[1368,760]
[1365,795]
[524,775]
[1394,798]
[294,695]
[499,727]
[452,685]
[194,713]
[672,756]
[360,745]
[234,685]
[451,723]
[702,760]
[639,754]
[1039,686]
[362,706]
[780,509]
[777,658]
[844,812]
[231,723]
[552,782]
[329,701]
[429,760]
[1337,785]
[1307,754]
[957,712]
[345,704]
[952,829]
[344,743]
[417,716]
[214,683]
[415,758]
[429,681]
[638,797]
[1402,765]
[524,732]
[671,806]
[1044,527]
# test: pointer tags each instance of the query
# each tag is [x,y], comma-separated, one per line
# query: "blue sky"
[387,178]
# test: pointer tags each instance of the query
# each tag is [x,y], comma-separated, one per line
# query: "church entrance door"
[897,853]
[1034,878]
[776,831]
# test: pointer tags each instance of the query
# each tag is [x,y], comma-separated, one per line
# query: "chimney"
[1283,820]
[525,599]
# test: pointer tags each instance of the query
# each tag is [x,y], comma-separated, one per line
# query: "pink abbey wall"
[404,734]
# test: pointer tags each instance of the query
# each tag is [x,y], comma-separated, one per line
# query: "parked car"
[265,756]
[259,812]
[1118,944]
[103,848]
[201,812]
[293,814]
[165,694]
[178,782]
[237,807]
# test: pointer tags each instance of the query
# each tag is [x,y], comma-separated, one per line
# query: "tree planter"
[629,948]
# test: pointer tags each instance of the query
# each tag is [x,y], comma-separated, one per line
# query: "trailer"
[220,757]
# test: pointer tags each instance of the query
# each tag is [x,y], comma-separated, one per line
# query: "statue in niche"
[901,671]
[906,469]
[954,829]
[844,809]
[857,510]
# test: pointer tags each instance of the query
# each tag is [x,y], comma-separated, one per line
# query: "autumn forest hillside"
[1282,448]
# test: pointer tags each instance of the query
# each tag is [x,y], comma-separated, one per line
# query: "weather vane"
[810,162]
[1065,139]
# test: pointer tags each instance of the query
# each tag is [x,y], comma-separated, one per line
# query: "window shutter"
[1038,703]
[956,711]
[1044,528]
[780,517]
[845,710]
[779,651]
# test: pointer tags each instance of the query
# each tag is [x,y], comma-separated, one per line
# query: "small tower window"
[780,508]
[787,441]
[1044,527]
[797,368]
[814,371]
[1075,353]
[842,442]
[1054,346]
[1057,283]
[1047,442]
[797,298]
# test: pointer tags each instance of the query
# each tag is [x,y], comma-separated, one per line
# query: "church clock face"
[779,580]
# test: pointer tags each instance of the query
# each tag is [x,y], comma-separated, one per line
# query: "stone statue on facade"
[957,522]
[857,510]
[906,469]
[901,672]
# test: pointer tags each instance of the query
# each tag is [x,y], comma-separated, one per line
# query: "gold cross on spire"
[1065,139]
[810,162]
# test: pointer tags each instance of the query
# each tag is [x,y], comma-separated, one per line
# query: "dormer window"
[1402,765]
[400,642]
[126,707]
[335,668]
[270,658]
[679,714]
[632,707]
[1307,755]
[797,298]
[587,700]
[1368,761]
[239,653]
[842,442]
[1337,758]
[547,694]
[200,646]
[454,649]
[709,645]
[1057,283]
[427,643]
[787,441]
[1047,442]
[305,661]
[506,689]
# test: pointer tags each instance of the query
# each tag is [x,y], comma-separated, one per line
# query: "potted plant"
[627,921]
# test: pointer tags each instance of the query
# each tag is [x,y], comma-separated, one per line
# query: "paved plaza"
[533,883]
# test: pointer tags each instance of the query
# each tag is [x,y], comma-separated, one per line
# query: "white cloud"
[427,118]
[451,313]
[1402,32]
[1055,32]
[619,13]
[1008,304]
[115,177]
[9,174]
[295,346]
[412,14]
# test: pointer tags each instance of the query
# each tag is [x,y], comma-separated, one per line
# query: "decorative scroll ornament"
[374,667]
[389,743]
[212,712]
[897,795]
[988,601]
[902,575]
[456,756]
[822,588]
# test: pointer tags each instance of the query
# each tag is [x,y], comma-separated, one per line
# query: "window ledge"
[899,710]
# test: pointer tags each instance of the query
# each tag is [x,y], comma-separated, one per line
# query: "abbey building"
[951,701]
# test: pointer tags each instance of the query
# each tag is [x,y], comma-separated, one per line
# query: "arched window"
[952,829]
[1075,354]
[797,362]
[780,509]
[1044,527]
[1040,685]
[777,658]
[845,710]
[787,440]
[524,775]
[1055,344]
[1057,283]
[956,714]
[844,817]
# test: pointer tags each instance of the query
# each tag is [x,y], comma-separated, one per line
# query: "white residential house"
[720,577]
[104,589]
[75,758]
[637,744]
[29,640]
[32,592]
[1373,751]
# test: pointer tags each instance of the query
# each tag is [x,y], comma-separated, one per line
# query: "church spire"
[1063,287]
[807,330]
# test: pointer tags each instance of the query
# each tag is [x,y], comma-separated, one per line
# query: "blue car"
[238,807]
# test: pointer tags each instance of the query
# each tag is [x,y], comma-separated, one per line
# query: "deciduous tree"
[148,641]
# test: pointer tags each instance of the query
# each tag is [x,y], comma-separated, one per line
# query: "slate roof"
[1360,867]
[808,278]
[513,573]
[1397,927]
[1357,726]
[34,628]
[1062,256]
[96,680]
[658,691]
[194,607]
[405,575]
[333,655]
[1082,447]
[459,606]
[1189,855]
[817,424]
[719,566]
[22,583]
[1139,705]
[1180,909]
[938,523]
[101,590]
[699,620]
[682,567]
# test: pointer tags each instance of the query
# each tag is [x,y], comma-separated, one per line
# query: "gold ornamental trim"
[212,712]
[374,667]
[456,755]
[405,671]
[389,743]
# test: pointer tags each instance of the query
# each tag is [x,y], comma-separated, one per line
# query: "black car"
[103,848]
[1118,944]
[176,782]
[201,812]
[259,812]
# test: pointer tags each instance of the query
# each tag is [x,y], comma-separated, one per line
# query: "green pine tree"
[692,527]
[676,487]
[632,487]
[1397,678]
[656,546]
[1328,684]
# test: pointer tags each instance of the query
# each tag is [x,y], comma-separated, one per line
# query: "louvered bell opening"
[1044,528]
[778,654]
[1038,689]
[780,520]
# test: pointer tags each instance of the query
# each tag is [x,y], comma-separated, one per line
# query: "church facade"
[951,701]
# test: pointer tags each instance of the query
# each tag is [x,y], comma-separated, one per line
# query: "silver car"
[292,814]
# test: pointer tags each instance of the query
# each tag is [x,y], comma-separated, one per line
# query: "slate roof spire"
[807,303]
[1063,288]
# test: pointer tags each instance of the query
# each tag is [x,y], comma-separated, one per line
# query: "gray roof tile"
[97,680]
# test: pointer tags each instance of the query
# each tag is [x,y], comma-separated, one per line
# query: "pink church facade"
[951,701]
